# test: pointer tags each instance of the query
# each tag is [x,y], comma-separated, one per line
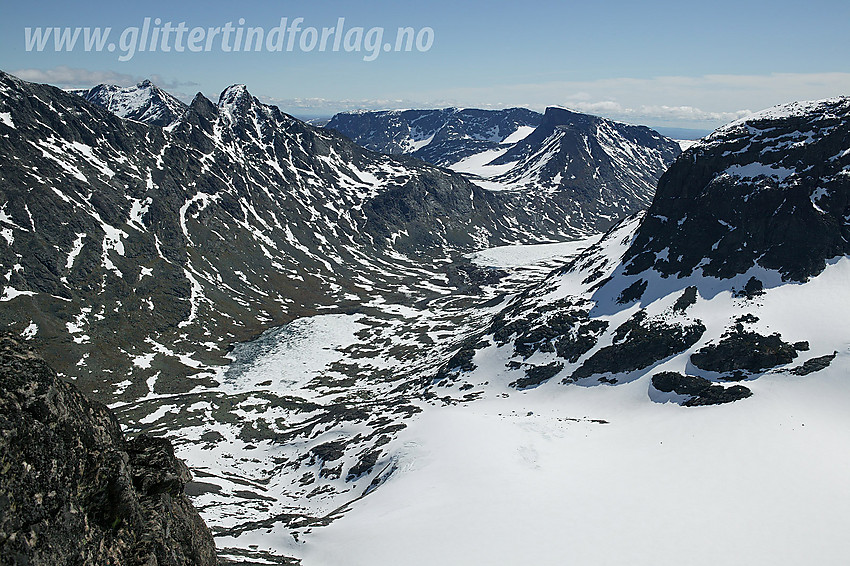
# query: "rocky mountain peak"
[203,105]
[609,167]
[560,116]
[246,118]
[771,190]
[811,111]
[235,101]
[143,102]
[234,94]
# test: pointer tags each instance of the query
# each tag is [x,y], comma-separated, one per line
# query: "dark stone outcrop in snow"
[814,364]
[638,343]
[700,390]
[740,349]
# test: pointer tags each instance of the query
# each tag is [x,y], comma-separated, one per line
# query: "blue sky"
[687,64]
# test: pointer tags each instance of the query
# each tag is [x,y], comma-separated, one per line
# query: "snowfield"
[520,255]
[515,480]
[575,474]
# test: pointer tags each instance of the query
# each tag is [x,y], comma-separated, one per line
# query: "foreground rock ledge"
[73,490]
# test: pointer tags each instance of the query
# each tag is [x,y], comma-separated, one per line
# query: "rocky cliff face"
[73,490]
[771,190]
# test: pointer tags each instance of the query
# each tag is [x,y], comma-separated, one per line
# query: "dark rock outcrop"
[563,327]
[700,390]
[740,349]
[814,364]
[638,343]
[535,375]
[73,490]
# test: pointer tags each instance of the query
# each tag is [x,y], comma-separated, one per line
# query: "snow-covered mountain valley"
[366,359]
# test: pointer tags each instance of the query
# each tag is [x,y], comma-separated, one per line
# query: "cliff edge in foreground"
[73,490]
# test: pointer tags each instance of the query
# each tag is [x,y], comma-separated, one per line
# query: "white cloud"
[689,113]
[703,101]
[165,83]
[697,102]
[67,77]
[325,106]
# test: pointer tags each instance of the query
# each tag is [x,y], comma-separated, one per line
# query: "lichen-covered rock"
[73,490]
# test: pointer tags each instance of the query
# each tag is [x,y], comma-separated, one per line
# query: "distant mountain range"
[578,167]
[442,137]
[586,164]
[236,217]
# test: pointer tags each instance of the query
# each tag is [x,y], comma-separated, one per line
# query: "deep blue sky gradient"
[485,53]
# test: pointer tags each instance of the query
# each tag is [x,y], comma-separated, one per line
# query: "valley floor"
[553,475]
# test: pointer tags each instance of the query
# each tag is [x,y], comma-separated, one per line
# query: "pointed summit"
[202,103]
[235,103]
